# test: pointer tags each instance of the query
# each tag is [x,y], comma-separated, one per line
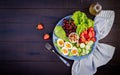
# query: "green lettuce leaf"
[81,21]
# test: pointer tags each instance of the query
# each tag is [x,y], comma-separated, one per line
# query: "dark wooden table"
[22,50]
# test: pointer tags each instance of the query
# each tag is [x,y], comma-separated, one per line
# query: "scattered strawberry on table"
[40,26]
[46,36]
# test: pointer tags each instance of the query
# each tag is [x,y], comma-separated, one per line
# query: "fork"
[49,47]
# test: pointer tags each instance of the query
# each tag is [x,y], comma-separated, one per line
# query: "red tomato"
[90,34]
[82,34]
[93,33]
[85,32]
[86,42]
[88,39]
[93,39]
[91,29]
[86,36]
[82,40]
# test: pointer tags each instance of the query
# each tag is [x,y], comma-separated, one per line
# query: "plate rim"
[54,37]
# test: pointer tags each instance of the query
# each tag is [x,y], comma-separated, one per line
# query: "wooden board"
[22,48]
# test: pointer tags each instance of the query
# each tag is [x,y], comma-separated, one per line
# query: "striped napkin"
[103,53]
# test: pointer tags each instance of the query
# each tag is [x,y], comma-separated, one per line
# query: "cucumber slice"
[87,47]
[83,52]
[90,43]
[82,45]
[79,51]
[87,51]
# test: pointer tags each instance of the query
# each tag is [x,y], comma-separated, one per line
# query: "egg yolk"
[68,45]
[61,42]
[74,51]
[65,51]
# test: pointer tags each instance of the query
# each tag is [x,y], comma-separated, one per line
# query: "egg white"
[59,44]
[74,49]
[65,51]
[68,45]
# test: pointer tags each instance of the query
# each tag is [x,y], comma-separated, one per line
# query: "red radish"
[46,36]
[40,26]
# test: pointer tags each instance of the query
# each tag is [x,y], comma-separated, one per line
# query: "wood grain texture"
[20,24]
[31,68]
[56,3]
[22,50]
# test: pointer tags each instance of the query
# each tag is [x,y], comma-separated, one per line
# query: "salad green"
[81,21]
[59,32]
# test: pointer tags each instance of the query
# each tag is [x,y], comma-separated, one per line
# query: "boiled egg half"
[68,45]
[60,42]
[74,51]
[65,51]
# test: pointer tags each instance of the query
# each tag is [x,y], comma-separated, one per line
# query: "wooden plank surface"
[56,3]
[37,68]
[20,25]
[22,48]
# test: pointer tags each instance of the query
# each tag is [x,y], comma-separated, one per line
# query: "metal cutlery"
[49,47]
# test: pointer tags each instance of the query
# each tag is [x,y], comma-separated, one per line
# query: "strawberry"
[46,36]
[40,26]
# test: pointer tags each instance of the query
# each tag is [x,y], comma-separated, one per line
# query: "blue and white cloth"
[103,53]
